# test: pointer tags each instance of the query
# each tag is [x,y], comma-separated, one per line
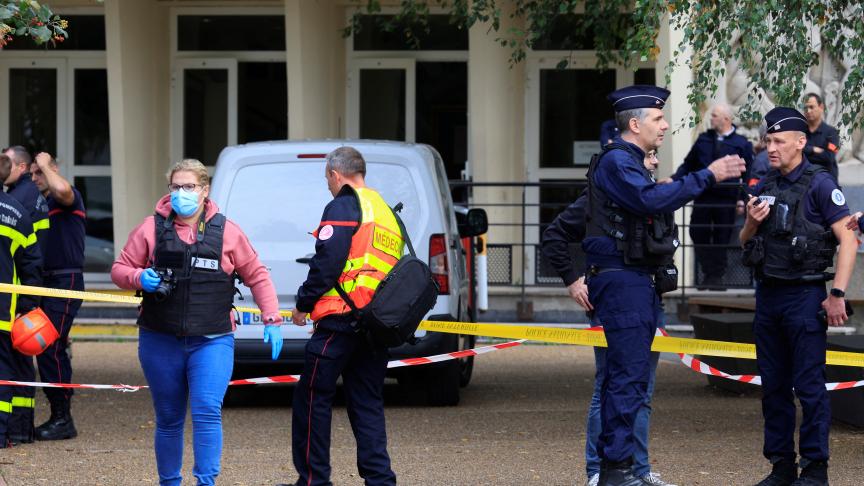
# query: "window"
[92,137]
[205,114]
[231,33]
[442,35]
[573,105]
[86,33]
[566,33]
[382,104]
[262,101]
[33,109]
[99,239]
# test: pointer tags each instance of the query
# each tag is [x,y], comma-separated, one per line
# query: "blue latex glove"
[273,335]
[150,280]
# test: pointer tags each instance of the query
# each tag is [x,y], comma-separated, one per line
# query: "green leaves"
[771,43]
[30,18]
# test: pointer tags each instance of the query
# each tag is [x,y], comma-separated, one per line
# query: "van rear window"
[283,202]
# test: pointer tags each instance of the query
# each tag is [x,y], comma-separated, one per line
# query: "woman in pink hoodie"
[185,258]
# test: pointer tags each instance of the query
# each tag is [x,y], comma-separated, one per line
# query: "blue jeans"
[641,466]
[196,370]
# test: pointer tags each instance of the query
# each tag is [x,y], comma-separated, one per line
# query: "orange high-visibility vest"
[375,247]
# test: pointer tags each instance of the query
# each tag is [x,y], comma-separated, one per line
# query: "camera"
[166,285]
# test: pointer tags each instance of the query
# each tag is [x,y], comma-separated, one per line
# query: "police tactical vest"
[376,246]
[643,241]
[794,247]
[203,297]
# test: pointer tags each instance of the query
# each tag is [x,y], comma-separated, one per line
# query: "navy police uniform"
[713,216]
[825,137]
[625,208]
[20,262]
[336,349]
[791,250]
[24,191]
[62,245]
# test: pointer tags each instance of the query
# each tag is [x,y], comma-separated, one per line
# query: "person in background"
[823,141]
[185,258]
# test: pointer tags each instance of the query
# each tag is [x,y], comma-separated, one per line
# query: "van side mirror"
[471,222]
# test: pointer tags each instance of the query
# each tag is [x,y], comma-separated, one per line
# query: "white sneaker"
[653,479]
[594,480]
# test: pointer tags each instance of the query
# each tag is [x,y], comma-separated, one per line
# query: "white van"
[276,192]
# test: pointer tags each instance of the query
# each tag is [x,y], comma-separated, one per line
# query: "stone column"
[138,59]
[315,51]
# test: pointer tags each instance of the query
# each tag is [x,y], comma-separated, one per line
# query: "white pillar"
[315,53]
[137,54]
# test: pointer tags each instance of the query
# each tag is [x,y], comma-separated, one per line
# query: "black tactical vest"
[795,249]
[644,241]
[203,296]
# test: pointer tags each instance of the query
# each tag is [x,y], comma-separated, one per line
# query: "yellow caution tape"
[578,337]
[581,337]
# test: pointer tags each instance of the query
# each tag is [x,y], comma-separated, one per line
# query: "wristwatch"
[835,292]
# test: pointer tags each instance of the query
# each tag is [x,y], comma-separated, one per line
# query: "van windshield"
[283,202]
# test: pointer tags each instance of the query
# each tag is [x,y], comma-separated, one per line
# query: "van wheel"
[466,365]
[442,384]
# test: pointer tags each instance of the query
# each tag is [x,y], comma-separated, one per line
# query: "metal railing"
[519,262]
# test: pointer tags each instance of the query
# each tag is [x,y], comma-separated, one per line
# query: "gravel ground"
[521,421]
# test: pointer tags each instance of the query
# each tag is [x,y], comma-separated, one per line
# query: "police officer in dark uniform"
[347,255]
[630,237]
[790,237]
[20,262]
[713,217]
[62,245]
[823,141]
[21,187]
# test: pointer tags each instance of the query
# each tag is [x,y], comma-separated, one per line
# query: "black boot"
[60,426]
[783,473]
[618,474]
[813,473]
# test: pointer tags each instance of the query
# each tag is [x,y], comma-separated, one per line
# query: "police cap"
[638,96]
[783,119]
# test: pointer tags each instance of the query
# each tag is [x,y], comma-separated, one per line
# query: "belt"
[61,271]
[595,270]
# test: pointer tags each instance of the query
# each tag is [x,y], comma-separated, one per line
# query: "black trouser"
[711,227]
[16,402]
[54,363]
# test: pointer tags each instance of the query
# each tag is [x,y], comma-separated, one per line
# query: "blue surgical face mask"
[184,203]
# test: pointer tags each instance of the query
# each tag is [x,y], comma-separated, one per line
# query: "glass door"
[31,90]
[203,108]
[381,99]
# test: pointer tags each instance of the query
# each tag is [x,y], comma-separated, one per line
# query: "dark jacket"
[826,138]
[708,148]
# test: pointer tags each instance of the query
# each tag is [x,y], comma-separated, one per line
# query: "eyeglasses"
[186,187]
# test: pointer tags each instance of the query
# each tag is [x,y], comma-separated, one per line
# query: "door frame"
[177,100]
[353,92]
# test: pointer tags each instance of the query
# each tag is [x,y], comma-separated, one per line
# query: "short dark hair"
[5,167]
[20,155]
[814,95]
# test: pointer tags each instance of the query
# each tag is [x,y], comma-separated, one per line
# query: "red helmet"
[33,332]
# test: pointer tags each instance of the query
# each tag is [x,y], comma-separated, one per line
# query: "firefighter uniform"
[24,190]
[630,234]
[20,262]
[791,250]
[355,249]
[62,245]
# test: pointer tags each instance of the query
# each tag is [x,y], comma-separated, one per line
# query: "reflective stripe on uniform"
[42,224]
[23,402]
[6,326]
[5,407]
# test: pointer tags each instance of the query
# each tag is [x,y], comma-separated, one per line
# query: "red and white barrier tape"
[700,367]
[396,363]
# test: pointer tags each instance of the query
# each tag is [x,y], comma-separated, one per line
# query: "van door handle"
[306,259]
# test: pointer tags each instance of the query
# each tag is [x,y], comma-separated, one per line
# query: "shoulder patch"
[837,197]
[325,233]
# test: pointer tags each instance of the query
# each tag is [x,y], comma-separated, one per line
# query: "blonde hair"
[190,165]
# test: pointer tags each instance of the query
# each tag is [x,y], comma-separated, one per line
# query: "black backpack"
[401,300]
